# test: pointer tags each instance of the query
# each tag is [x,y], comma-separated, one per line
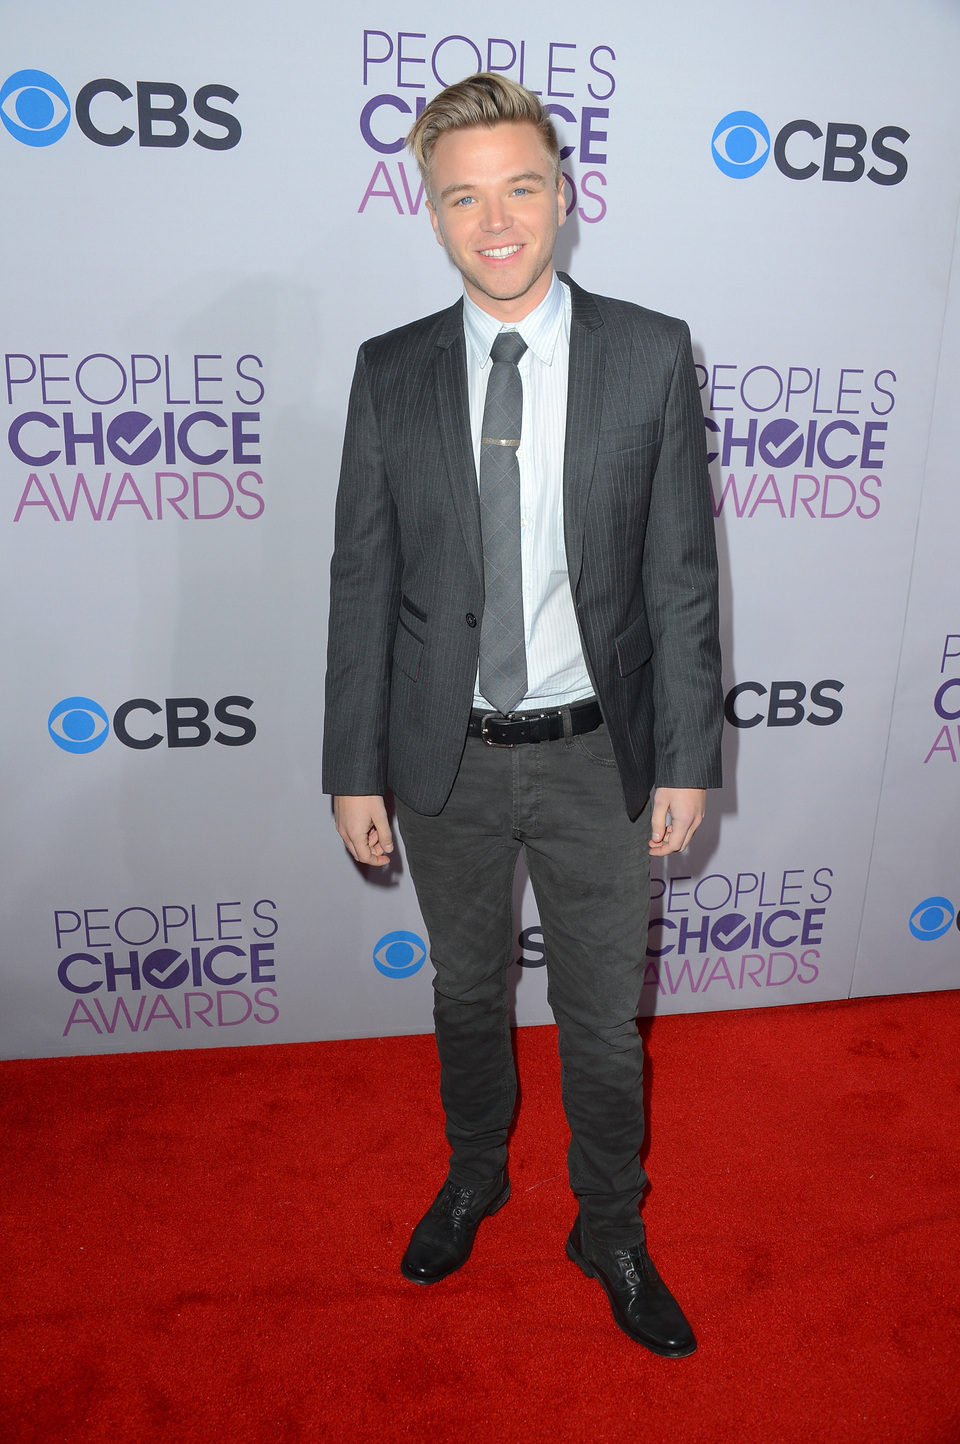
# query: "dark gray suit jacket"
[407,572]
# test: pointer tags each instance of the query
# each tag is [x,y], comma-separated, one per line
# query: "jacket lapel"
[453,412]
[584,395]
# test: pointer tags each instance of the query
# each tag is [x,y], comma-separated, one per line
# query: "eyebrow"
[527,175]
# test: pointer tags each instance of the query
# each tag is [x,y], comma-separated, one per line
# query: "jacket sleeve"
[680,590]
[364,601]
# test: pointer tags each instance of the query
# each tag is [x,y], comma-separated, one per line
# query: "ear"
[435,222]
[561,204]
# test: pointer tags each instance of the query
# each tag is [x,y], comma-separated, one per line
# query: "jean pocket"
[596,747]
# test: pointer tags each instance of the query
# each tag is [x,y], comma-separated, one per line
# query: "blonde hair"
[486,100]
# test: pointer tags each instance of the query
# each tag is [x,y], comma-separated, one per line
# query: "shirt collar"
[540,329]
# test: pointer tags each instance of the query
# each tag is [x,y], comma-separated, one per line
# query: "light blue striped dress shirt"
[556,671]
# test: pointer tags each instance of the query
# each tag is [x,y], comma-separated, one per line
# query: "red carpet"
[205,1244]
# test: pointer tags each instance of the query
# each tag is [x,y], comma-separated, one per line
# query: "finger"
[367,850]
[658,822]
[356,820]
[376,854]
[680,831]
[688,832]
[380,830]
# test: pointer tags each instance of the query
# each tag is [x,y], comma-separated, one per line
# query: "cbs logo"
[741,147]
[787,706]
[35,109]
[79,724]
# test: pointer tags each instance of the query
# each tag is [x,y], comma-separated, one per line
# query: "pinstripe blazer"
[407,570]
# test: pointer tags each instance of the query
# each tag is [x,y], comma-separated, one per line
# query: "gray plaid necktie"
[503,658]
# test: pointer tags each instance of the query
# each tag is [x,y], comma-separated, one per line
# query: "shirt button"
[471,620]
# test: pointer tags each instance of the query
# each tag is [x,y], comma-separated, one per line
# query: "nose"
[496,217]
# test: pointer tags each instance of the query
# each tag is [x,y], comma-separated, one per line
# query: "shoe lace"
[457,1201]
[635,1264]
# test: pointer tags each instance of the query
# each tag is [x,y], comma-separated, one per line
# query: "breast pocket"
[628,438]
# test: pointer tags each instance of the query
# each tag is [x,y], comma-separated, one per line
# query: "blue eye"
[34,107]
[397,955]
[931,918]
[741,144]
[78,724]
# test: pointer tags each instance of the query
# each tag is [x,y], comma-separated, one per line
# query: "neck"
[513,308]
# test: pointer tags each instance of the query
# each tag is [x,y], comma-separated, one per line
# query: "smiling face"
[496,207]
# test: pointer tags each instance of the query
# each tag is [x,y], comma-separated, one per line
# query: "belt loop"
[567,718]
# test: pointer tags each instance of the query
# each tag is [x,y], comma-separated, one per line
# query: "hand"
[686,807]
[362,823]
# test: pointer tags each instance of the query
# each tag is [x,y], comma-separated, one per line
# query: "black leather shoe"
[443,1238]
[642,1304]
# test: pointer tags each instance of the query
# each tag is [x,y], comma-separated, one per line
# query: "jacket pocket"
[413,608]
[634,645]
[407,650]
[628,438]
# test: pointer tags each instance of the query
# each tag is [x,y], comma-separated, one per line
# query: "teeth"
[500,252]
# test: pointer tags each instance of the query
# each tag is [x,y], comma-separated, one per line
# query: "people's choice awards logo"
[946,703]
[932,918]
[737,933]
[796,439]
[401,69]
[193,965]
[101,437]
[399,954]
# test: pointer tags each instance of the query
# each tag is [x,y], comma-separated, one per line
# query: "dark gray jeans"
[560,804]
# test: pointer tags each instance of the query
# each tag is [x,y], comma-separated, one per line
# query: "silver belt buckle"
[489,740]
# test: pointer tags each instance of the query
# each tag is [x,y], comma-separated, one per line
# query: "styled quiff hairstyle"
[486,100]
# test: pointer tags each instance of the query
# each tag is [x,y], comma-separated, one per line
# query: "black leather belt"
[497,731]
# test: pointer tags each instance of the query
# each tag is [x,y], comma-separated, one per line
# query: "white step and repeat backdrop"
[207,209]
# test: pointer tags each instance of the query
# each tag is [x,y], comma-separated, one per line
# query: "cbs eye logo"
[741,144]
[34,107]
[78,724]
[932,918]
[399,955]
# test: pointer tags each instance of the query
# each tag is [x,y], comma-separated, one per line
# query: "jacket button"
[471,620]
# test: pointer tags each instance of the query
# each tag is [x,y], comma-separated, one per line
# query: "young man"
[523,640]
